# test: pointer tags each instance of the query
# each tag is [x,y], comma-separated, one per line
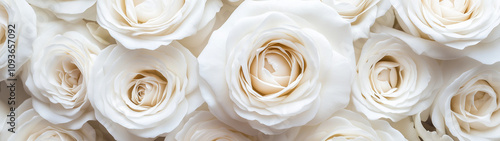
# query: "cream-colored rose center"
[147,88]
[148,10]
[70,77]
[451,11]
[474,100]
[386,76]
[274,68]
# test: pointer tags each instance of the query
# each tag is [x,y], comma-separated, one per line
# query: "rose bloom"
[273,66]
[360,13]
[58,74]
[32,127]
[21,15]
[140,94]
[344,125]
[71,11]
[449,29]
[468,105]
[392,81]
[203,126]
[148,24]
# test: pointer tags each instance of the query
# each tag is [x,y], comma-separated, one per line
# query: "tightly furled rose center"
[70,77]
[453,11]
[147,89]
[274,67]
[149,10]
[474,100]
[386,75]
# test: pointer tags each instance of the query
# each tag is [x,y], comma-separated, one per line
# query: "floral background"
[250,70]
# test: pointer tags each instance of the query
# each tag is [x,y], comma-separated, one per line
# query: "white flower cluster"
[254,70]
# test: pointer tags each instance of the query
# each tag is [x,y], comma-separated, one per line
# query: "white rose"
[468,104]
[346,125]
[148,24]
[32,127]
[16,39]
[360,13]
[449,29]
[144,93]
[203,126]
[71,11]
[273,66]
[58,74]
[392,81]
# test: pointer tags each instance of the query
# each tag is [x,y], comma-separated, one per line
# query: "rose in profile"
[450,29]
[392,81]
[467,105]
[32,127]
[139,94]
[272,66]
[17,24]
[149,24]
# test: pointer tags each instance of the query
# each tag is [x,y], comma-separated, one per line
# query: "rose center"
[70,77]
[452,11]
[476,100]
[147,88]
[146,10]
[473,101]
[386,75]
[273,69]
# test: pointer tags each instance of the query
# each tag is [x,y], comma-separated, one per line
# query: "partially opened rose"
[468,104]
[17,32]
[360,13]
[140,94]
[392,81]
[32,127]
[346,125]
[272,66]
[449,29]
[59,72]
[148,24]
[203,126]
